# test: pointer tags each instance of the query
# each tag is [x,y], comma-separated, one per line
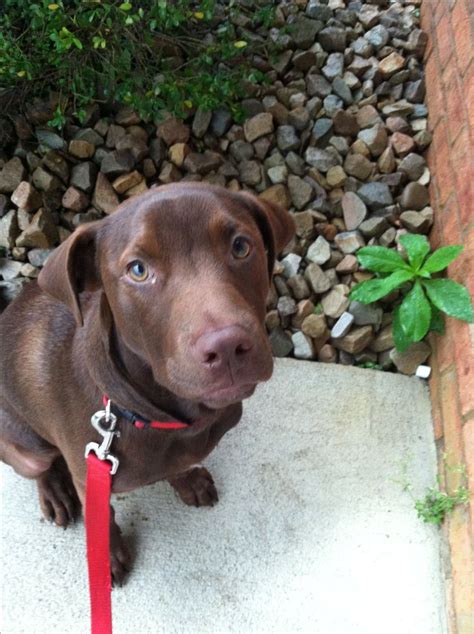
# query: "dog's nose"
[222,347]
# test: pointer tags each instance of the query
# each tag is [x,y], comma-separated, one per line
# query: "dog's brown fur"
[187,344]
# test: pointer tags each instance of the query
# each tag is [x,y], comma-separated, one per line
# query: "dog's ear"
[275,223]
[72,269]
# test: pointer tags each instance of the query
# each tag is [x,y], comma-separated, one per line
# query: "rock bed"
[336,135]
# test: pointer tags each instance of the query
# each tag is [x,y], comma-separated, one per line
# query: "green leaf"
[125,6]
[450,297]
[402,342]
[372,290]
[441,258]
[417,248]
[437,321]
[381,259]
[415,313]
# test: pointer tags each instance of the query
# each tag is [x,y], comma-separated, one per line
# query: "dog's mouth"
[223,397]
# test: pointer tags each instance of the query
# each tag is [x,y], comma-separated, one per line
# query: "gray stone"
[332,103]
[104,199]
[415,91]
[375,138]
[304,60]
[295,163]
[334,66]
[287,139]
[56,164]
[9,269]
[354,342]
[41,232]
[135,145]
[413,165]
[304,31]
[353,209]
[117,163]
[281,343]
[301,192]
[358,166]
[322,127]
[365,313]
[221,121]
[286,306]
[12,174]
[334,303]
[317,279]
[349,241]
[333,39]
[114,134]
[368,116]
[341,89]
[158,151]
[342,325]
[319,252]
[415,221]
[90,135]
[388,237]
[414,196]
[362,47]
[302,346]
[38,257]
[203,163]
[318,85]
[298,118]
[173,131]
[250,172]
[201,122]
[50,139]
[408,361]
[373,227]
[299,287]
[83,176]
[278,174]
[318,11]
[291,264]
[322,159]
[45,181]
[378,36]
[375,195]
[259,125]
[26,197]
[9,230]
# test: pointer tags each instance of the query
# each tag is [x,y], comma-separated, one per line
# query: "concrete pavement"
[311,534]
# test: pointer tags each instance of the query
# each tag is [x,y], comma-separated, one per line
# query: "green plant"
[369,365]
[154,55]
[436,504]
[424,298]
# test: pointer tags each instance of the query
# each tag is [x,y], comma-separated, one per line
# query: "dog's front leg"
[195,487]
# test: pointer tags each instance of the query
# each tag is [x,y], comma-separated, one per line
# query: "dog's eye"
[137,271]
[240,248]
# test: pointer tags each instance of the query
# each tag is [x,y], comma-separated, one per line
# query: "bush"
[153,55]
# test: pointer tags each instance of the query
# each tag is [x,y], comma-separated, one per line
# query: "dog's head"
[185,269]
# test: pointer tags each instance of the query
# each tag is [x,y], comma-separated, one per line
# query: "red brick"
[444,179]
[450,222]
[435,390]
[455,107]
[453,441]
[462,168]
[445,350]
[434,96]
[468,437]
[463,354]
[462,561]
[444,39]
[461,26]
[440,9]
[468,86]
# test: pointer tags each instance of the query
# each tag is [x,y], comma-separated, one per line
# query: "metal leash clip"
[107,432]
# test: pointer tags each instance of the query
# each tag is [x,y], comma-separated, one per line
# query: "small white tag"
[423,371]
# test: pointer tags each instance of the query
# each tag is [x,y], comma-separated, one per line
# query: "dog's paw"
[57,496]
[119,556]
[196,487]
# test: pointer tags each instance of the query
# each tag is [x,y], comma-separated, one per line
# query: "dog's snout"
[222,347]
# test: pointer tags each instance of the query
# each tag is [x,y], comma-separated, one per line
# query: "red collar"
[139,421]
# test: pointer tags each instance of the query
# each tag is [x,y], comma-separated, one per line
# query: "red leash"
[101,466]
[99,484]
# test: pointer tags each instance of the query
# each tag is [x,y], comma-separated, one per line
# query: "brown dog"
[161,307]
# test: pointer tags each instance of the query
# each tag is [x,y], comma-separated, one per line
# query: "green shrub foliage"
[154,55]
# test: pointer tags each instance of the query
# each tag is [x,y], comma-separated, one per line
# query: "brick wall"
[449,65]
